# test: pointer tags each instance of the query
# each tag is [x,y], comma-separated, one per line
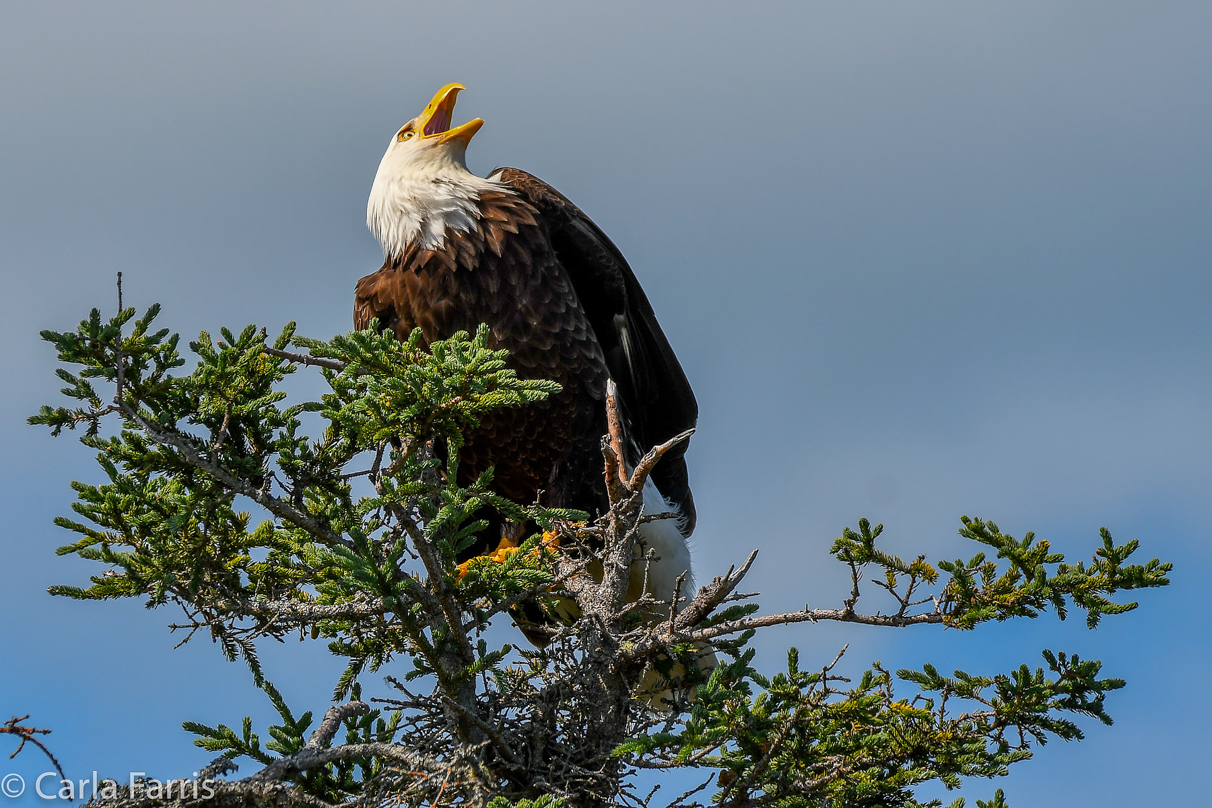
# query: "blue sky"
[919,260]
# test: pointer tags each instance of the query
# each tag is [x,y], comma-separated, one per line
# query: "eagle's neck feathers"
[415,205]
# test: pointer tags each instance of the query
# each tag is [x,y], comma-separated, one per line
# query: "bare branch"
[312,758]
[615,429]
[811,616]
[649,460]
[713,594]
[489,730]
[305,359]
[333,719]
[27,734]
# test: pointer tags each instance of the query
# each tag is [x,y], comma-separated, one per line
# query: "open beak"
[434,121]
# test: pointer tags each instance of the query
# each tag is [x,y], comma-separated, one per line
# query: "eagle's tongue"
[439,122]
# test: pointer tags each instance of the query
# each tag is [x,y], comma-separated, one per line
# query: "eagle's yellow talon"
[505,549]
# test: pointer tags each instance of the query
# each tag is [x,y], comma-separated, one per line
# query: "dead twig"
[13,726]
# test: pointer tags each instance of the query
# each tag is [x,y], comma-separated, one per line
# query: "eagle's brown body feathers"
[507,275]
[560,297]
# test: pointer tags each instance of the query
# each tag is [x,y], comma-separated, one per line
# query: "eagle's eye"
[404,135]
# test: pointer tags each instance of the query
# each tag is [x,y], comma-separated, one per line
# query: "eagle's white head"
[423,186]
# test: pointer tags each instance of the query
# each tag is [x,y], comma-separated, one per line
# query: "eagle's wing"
[384,295]
[375,297]
[656,398]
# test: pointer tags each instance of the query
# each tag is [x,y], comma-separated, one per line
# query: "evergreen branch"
[275,505]
[378,574]
[293,612]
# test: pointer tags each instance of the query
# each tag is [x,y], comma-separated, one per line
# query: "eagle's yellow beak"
[434,121]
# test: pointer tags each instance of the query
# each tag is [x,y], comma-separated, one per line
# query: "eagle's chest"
[511,280]
[524,296]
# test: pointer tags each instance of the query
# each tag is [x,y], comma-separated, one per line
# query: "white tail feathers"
[672,553]
[665,678]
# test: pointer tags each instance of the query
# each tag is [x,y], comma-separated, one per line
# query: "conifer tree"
[219,504]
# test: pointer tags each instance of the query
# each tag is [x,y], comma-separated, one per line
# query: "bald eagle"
[512,252]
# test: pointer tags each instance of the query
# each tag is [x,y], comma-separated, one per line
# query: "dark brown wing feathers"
[656,396]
